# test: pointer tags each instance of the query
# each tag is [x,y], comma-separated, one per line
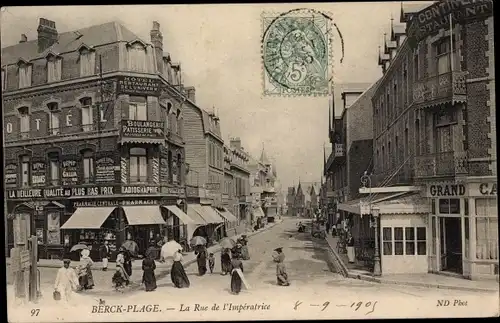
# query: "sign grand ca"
[437,16]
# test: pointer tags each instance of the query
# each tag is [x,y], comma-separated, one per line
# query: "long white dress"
[66,282]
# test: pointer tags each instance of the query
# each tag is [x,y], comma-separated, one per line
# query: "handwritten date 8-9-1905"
[367,306]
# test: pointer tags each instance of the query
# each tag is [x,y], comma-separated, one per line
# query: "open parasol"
[198,241]
[78,247]
[131,246]
[169,248]
[227,243]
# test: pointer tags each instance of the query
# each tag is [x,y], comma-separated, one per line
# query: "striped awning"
[183,217]
[88,218]
[195,215]
[227,215]
[209,212]
[143,215]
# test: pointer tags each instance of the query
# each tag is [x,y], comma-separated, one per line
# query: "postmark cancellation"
[296,53]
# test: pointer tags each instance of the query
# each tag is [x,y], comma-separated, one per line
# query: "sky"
[219,47]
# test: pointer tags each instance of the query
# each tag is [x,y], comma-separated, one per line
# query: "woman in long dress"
[177,273]
[281,274]
[127,265]
[236,282]
[120,278]
[245,255]
[225,260]
[201,259]
[148,275]
[351,255]
[85,277]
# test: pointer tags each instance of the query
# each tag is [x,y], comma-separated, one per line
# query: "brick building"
[434,179]
[241,176]
[94,137]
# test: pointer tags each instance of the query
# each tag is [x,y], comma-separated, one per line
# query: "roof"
[412,8]
[263,157]
[96,35]
[210,127]
[345,88]
[399,29]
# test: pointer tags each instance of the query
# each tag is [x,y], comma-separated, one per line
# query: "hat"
[66,261]
[279,249]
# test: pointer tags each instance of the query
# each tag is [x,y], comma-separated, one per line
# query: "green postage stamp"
[296,53]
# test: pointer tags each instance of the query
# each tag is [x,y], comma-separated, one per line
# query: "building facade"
[93,130]
[435,143]
[241,174]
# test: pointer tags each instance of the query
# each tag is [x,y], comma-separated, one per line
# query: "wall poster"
[163,170]
[105,170]
[69,172]
[38,174]
[53,228]
[11,175]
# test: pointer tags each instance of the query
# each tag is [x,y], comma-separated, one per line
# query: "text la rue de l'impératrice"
[120,308]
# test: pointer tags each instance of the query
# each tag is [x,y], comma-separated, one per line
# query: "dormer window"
[137,57]
[87,61]
[54,65]
[25,70]
[54,113]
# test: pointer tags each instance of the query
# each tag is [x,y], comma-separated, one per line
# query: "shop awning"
[88,218]
[143,215]
[183,217]
[143,140]
[195,215]
[209,212]
[227,215]
[389,203]
[258,212]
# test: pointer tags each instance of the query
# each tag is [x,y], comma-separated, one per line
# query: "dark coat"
[104,252]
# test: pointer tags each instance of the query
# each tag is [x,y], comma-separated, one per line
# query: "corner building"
[435,142]
[94,147]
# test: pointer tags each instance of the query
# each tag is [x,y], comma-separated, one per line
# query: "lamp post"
[375,212]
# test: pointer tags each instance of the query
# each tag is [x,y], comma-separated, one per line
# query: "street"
[314,290]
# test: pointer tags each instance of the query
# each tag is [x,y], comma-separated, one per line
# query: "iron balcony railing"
[444,87]
[441,164]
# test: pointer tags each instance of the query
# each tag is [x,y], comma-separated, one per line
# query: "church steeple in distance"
[263,157]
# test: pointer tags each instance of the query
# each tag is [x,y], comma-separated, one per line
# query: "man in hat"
[66,281]
[282,276]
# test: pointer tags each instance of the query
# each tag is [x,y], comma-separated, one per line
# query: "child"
[211,262]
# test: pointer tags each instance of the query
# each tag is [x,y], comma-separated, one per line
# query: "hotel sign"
[447,190]
[142,129]
[142,86]
[437,16]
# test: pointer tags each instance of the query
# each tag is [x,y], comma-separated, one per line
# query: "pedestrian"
[201,259]
[127,258]
[120,278]
[66,281]
[350,248]
[177,272]
[211,262]
[85,277]
[236,273]
[225,260]
[281,274]
[104,252]
[151,251]
[236,251]
[148,272]
[245,255]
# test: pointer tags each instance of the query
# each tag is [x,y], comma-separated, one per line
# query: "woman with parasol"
[245,255]
[201,254]
[120,278]
[85,277]
[177,273]
[127,260]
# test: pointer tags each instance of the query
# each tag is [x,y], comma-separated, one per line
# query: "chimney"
[24,39]
[191,93]
[157,41]
[47,34]
[235,143]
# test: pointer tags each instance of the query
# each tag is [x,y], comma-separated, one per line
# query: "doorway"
[451,244]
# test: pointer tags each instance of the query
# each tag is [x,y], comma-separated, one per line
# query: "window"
[170,167]
[87,63]
[409,241]
[179,123]
[87,117]
[25,171]
[137,58]
[179,168]
[407,144]
[387,241]
[138,165]
[443,56]
[416,67]
[25,72]
[54,169]
[24,113]
[486,229]
[137,111]
[54,66]
[398,241]
[169,110]
[53,118]
[421,241]
[88,166]
[449,206]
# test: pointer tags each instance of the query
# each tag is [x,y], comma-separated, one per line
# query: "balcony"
[397,176]
[441,165]
[336,157]
[142,131]
[445,88]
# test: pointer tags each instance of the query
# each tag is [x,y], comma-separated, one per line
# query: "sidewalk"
[427,280]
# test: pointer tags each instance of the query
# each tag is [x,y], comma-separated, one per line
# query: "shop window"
[433,206]
[24,115]
[398,241]
[486,229]
[54,169]
[137,111]
[54,115]
[467,237]
[137,57]
[421,241]
[54,66]
[387,241]
[449,206]
[88,166]
[25,72]
[138,165]
[25,171]
[87,62]
[87,118]
[409,241]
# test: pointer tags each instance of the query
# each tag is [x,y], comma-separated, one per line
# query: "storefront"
[464,227]
[230,221]
[208,223]
[258,217]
